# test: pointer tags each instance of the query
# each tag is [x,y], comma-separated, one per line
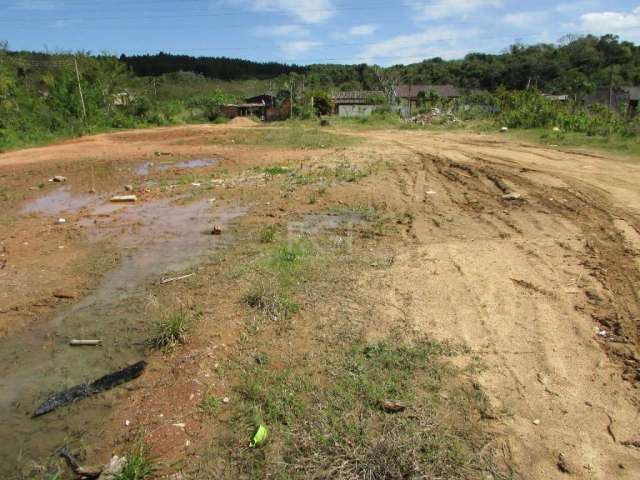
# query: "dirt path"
[523,283]
[527,255]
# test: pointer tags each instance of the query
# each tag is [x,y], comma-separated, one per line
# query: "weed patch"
[171,329]
[138,466]
[209,404]
[333,424]
[276,305]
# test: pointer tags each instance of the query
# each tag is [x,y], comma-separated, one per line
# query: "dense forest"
[211,67]
[574,64]
[45,96]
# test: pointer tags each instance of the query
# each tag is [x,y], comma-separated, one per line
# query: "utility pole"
[84,109]
[291,98]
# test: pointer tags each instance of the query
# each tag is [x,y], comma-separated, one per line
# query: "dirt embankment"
[529,256]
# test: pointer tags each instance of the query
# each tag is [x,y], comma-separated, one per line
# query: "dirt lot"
[522,260]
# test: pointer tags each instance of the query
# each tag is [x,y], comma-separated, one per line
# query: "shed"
[356,103]
[408,94]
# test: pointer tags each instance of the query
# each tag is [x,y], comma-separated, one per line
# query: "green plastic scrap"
[259,437]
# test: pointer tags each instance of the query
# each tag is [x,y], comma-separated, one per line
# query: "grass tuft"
[267,235]
[138,466]
[171,329]
[274,304]
[209,404]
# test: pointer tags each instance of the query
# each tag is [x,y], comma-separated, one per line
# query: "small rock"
[511,196]
[128,188]
[563,464]
[593,295]
[59,179]
[114,468]
[536,421]
[393,407]
[92,190]
[216,230]
[64,295]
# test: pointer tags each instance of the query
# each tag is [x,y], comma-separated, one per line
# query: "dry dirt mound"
[243,122]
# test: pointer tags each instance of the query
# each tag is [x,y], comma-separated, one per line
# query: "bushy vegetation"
[529,109]
[40,99]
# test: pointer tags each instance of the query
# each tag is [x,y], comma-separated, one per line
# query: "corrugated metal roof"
[355,97]
[412,91]
[634,93]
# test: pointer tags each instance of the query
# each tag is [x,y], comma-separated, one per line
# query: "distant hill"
[222,68]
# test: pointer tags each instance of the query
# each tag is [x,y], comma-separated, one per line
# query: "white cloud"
[611,22]
[434,42]
[439,9]
[281,31]
[362,30]
[309,11]
[292,50]
[526,20]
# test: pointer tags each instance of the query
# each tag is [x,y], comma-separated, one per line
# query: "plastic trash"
[260,437]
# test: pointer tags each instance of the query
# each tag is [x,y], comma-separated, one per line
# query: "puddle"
[155,238]
[63,201]
[145,168]
[314,224]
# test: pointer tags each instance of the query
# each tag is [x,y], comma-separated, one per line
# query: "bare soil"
[529,256]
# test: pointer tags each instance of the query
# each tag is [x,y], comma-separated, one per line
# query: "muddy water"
[145,168]
[156,238]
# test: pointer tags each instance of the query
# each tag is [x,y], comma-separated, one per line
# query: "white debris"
[114,468]
[60,221]
[124,198]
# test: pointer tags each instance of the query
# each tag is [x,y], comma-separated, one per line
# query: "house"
[265,106]
[408,95]
[623,99]
[556,98]
[357,103]
[233,110]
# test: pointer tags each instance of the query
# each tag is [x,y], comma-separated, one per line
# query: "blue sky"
[311,31]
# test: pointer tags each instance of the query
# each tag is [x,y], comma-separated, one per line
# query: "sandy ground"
[543,286]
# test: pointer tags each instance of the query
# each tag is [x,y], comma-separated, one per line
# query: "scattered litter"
[216,230]
[603,333]
[536,422]
[85,343]
[430,192]
[195,184]
[127,423]
[436,115]
[226,400]
[175,279]
[58,179]
[85,390]
[556,129]
[180,425]
[211,200]
[124,198]
[504,129]
[61,221]
[260,437]
[393,407]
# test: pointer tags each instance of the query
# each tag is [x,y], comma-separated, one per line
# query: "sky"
[383,32]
